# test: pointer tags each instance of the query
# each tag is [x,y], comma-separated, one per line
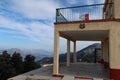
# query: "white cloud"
[101,1]
[80,2]
[35,30]
[85,2]
[90,2]
[36,9]
[72,1]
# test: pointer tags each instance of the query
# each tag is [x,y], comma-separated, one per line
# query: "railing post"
[113,10]
[57,15]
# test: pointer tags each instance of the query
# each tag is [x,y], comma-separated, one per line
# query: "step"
[68,77]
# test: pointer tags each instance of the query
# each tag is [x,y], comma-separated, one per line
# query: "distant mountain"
[38,53]
[45,59]
[12,50]
[84,55]
[87,54]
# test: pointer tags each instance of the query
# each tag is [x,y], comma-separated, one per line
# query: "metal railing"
[84,13]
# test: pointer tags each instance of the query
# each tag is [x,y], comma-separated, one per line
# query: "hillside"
[84,55]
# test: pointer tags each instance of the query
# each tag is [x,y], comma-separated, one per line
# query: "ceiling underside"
[87,35]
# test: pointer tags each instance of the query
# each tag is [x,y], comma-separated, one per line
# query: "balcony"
[85,13]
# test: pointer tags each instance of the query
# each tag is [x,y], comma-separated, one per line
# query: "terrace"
[85,13]
[93,72]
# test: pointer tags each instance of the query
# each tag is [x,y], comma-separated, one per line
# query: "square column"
[115,53]
[102,48]
[105,53]
[56,54]
[74,55]
[68,53]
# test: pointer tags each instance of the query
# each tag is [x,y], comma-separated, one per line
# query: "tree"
[17,63]
[6,69]
[29,63]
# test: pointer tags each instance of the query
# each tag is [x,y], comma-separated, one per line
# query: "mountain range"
[85,55]
[38,53]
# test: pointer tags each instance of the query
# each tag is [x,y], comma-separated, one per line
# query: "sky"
[29,24]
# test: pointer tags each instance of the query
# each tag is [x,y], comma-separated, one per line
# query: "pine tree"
[6,69]
[17,63]
[29,63]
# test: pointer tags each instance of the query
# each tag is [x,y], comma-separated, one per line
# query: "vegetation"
[17,63]
[13,65]
[29,63]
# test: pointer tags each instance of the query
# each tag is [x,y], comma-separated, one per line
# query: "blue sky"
[28,24]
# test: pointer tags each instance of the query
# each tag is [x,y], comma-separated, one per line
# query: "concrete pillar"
[115,53]
[68,53]
[107,46]
[74,55]
[102,48]
[105,53]
[56,54]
